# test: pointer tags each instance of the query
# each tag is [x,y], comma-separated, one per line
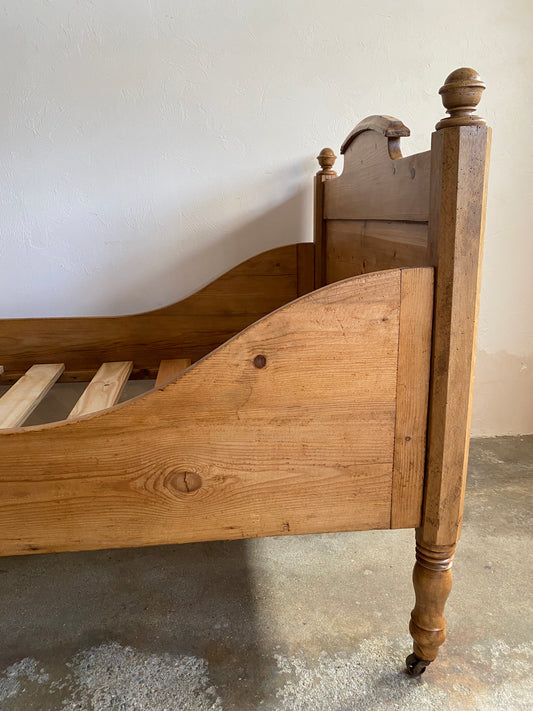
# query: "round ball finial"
[461,94]
[326,158]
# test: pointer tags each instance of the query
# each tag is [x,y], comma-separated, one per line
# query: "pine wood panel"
[374,186]
[288,428]
[188,329]
[168,369]
[23,397]
[414,352]
[104,389]
[306,268]
[362,246]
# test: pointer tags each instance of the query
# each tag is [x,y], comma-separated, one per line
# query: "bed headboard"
[382,211]
[428,209]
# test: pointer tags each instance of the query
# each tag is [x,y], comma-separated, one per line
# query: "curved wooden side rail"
[290,427]
[187,329]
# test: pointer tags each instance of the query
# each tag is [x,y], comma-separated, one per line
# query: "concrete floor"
[287,624]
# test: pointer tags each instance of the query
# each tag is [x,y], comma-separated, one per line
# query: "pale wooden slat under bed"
[23,397]
[168,369]
[104,389]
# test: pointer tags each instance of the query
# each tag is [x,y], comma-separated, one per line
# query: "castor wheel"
[415,665]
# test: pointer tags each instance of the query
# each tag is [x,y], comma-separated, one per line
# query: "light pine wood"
[460,156]
[188,329]
[374,186]
[17,404]
[311,420]
[360,246]
[432,581]
[169,369]
[288,428]
[104,389]
[459,170]
[306,268]
[414,353]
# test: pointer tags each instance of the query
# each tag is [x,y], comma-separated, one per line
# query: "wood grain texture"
[388,126]
[306,268]
[361,246]
[23,397]
[319,225]
[458,196]
[287,428]
[373,186]
[169,369]
[432,581]
[414,352]
[104,389]
[188,329]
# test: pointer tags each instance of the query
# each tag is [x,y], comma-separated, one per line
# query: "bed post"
[326,158]
[459,165]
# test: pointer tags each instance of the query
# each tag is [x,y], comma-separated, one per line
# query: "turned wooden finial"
[461,94]
[326,158]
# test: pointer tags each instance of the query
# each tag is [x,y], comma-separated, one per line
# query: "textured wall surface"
[146,146]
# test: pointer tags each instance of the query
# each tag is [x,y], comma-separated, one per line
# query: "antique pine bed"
[330,388]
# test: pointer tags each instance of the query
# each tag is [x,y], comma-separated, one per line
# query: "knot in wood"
[184,481]
[260,361]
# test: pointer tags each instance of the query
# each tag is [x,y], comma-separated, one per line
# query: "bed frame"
[330,388]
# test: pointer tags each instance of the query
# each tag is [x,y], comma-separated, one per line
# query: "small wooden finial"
[461,94]
[326,158]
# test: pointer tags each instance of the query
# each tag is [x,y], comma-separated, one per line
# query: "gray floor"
[288,624]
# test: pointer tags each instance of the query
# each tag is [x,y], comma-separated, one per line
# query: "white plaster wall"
[146,146]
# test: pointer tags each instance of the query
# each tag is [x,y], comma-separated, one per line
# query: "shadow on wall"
[206,257]
[84,600]
[134,274]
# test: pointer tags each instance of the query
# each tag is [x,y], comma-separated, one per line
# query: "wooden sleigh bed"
[330,386]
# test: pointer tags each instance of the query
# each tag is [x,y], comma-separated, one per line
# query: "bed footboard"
[311,420]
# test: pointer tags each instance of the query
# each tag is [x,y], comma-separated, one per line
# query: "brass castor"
[415,665]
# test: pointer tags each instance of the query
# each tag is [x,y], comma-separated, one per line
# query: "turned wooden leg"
[432,580]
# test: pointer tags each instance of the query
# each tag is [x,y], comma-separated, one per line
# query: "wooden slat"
[24,396]
[168,369]
[287,428]
[374,186]
[190,328]
[414,351]
[104,389]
